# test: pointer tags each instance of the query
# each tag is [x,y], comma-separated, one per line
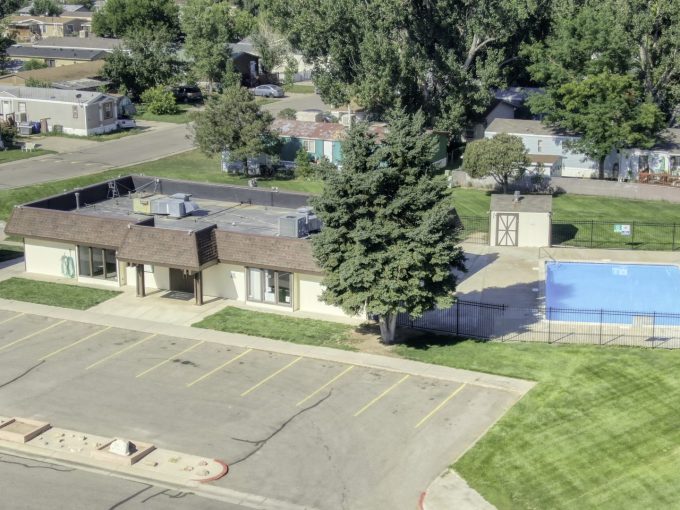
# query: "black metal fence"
[621,235]
[475,229]
[551,325]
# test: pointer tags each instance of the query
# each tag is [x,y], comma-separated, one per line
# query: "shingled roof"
[266,251]
[56,225]
[192,250]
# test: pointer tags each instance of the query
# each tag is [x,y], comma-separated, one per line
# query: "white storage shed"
[520,220]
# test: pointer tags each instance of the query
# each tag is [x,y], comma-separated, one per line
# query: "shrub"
[159,101]
[290,70]
[35,82]
[7,134]
[287,113]
[303,166]
[34,63]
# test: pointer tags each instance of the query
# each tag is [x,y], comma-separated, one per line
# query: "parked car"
[187,94]
[126,124]
[268,91]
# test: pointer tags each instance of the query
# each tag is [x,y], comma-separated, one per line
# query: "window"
[675,164]
[108,110]
[643,163]
[269,286]
[97,263]
[75,112]
[309,146]
[539,146]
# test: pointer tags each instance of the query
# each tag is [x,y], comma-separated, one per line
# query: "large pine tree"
[389,241]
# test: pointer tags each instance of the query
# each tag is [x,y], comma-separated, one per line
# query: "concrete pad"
[450,491]
[21,430]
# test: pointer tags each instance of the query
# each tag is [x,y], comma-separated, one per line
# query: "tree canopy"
[503,157]
[389,240]
[9,6]
[46,8]
[608,111]
[233,121]
[120,18]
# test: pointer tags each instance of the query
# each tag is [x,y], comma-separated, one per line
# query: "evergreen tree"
[389,241]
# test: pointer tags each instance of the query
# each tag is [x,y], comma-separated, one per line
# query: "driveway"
[84,157]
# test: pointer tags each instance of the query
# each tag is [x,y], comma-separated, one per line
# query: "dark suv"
[185,94]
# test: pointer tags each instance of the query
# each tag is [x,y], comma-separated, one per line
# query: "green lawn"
[182,117]
[18,154]
[190,165]
[106,137]
[598,431]
[299,89]
[55,294]
[270,325]
[10,251]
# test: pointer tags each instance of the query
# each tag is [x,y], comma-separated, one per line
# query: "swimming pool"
[646,288]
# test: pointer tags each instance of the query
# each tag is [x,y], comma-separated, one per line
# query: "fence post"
[653,329]
[673,241]
[592,228]
[457,316]
[549,321]
[601,314]
[632,234]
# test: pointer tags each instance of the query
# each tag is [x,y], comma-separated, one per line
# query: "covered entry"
[181,281]
[518,220]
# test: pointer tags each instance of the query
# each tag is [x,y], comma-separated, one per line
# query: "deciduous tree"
[503,157]
[389,241]
[46,8]
[120,18]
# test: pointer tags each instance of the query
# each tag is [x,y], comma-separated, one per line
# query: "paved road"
[161,140]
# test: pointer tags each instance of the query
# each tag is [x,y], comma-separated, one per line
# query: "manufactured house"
[107,44]
[659,163]
[32,28]
[324,139]
[54,57]
[69,111]
[241,244]
[542,141]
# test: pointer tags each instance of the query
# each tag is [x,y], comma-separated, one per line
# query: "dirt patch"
[366,338]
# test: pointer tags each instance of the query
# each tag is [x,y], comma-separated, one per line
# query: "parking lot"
[313,432]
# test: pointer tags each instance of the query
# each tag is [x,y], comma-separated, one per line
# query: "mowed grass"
[54,294]
[279,327]
[17,154]
[181,117]
[10,252]
[192,166]
[599,430]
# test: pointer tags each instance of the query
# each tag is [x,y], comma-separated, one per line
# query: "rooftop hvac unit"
[313,222]
[293,226]
[175,206]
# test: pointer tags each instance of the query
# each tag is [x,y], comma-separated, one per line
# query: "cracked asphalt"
[309,432]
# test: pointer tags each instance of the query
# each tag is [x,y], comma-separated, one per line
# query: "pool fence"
[504,323]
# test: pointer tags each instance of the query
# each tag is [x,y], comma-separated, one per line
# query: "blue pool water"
[618,287]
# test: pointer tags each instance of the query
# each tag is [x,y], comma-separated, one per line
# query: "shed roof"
[266,251]
[56,225]
[51,94]
[526,203]
[524,127]
[170,247]
[22,51]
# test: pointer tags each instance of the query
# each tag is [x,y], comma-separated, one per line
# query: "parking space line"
[32,335]
[218,368]
[325,385]
[141,374]
[74,343]
[121,351]
[441,404]
[253,388]
[12,318]
[381,395]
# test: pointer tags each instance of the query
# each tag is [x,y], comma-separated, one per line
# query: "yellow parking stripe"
[218,368]
[12,318]
[169,359]
[442,404]
[271,376]
[381,395]
[74,343]
[325,385]
[31,335]
[121,351]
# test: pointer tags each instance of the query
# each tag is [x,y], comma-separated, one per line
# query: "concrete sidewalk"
[449,491]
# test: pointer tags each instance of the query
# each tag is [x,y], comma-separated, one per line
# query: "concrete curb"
[450,490]
[516,386]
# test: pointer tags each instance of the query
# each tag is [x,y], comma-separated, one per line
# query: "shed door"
[507,226]
[328,150]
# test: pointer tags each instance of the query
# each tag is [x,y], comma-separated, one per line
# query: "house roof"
[309,130]
[169,247]
[77,71]
[51,94]
[22,51]
[50,20]
[85,43]
[526,203]
[266,251]
[524,127]
[56,225]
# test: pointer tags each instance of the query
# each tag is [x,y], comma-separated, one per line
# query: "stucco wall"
[225,281]
[155,277]
[309,289]
[45,257]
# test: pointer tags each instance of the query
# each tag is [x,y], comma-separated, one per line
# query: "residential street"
[87,157]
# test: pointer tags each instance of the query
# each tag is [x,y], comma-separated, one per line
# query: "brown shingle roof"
[62,73]
[182,249]
[62,226]
[266,251]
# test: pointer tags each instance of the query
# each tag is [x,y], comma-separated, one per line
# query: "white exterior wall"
[158,279]
[533,229]
[659,161]
[308,288]
[45,257]
[225,281]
